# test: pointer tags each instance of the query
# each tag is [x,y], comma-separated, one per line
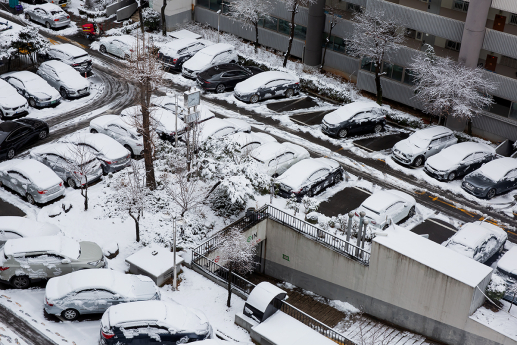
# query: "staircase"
[135,17]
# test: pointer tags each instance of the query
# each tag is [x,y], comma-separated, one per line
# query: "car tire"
[71,183]
[2,116]
[418,161]
[94,131]
[102,49]
[27,17]
[104,170]
[342,133]
[491,193]
[411,212]
[20,282]
[220,88]
[30,199]
[130,150]
[47,25]
[63,93]
[289,93]
[451,176]
[32,102]
[338,178]
[11,153]
[254,99]
[43,134]
[377,129]
[70,314]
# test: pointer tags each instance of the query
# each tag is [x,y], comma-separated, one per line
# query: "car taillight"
[67,17]
[129,155]
[373,222]
[108,162]
[207,82]
[56,20]
[78,173]
[4,268]
[356,214]
[174,60]
[60,184]
[49,304]
[75,64]
[296,83]
[107,335]
[42,191]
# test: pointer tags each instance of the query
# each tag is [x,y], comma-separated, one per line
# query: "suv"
[35,258]
[71,55]
[175,53]
[353,118]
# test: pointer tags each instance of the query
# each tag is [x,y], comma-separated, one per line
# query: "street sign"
[193,117]
[191,98]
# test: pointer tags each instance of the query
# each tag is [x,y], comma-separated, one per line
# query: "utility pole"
[218,17]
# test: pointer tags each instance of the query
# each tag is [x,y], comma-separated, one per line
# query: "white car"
[65,79]
[93,291]
[11,102]
[50,15]
[123,132]
[18,227]
[247,142]
[387,206]
[507,269]
[207,57]
[121,46]
[71,55]
[175,53]
[423,144]
[168,102]
[31,86]
[478,240]
[218,128]
[275,158]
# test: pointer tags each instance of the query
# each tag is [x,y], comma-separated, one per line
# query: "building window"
[513,19]
[508,61]
[353,8]
[513,111]
[204,3]
[284,27]
[461,5]
[500,107]
[340,45]
[271,24]
[453,45]
[300,32]
[409,78]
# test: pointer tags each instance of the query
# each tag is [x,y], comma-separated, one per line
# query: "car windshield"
[418,141]
[481,176]
[258,160]
[213,71]
[54,13]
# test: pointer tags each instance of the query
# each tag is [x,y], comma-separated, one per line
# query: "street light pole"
[218,17]
[176,133]
[175,280]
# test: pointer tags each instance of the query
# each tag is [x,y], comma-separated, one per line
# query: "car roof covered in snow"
[461,150]
[127,39]
[347,111]
[69,151]
[27,227]
[209,127]
[53,244]
[271,150]
[69,49]
[174,46]
[39,174]
[433,255]
[24,76]
[105,120]
[184,34]
[164,117]
[109,147]
[253,83]
[297,174]
[498,168]
[472,235]
[243,139]
[58,65]
[381,200]
[433,131]
[216,49]
[9,97]
[508,263]
[50,7]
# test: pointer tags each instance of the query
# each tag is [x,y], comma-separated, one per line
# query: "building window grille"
[508,62]
[513,19]
[453,45]
[461,5]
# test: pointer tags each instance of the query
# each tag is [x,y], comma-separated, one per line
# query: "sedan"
[385,207]
[225,76]
[267,85]
[32,180]
[72,56]
[458,160]
[247,142]
[50,15]
[218,128]
[17,227]
[12,104]
[31,86]
[175,53]
[123,132]
[210,56]
[495,177]
[164,121]
[354,118]
[309,177]
[169,103]
[93,291]
[71,163]
[275,158]
[121,46]
[14,135]
[478,241]
[507,269]
[64,78]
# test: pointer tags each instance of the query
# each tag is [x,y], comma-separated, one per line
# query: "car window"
[9,235]
[250,146]
[117,129]
[395,208]
[223,131]
[468,158]
[182,51]
[479,155]
[435,142]
[91,148]
[230,74]
[276,83]
[16,83]
[511,174]
[104,294]
[286,157]
[445,139]
[318,174]
[273,162]
[18,176]
[86,295]
[362,117]
[52,158]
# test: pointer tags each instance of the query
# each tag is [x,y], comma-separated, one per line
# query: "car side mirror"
[406,205]
[116,296]
[430,147]
[66,261]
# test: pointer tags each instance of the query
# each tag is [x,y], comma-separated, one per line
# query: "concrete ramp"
[126,12]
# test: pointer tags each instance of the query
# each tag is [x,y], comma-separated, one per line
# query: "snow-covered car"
[93,291]
[69,162]
[353,118]
[507,269]
[72,55]
[109,152]
[120,46]
[478,240]
[309,177]
[458,160]
[218,128]
[32,180]
[65,79]
[275,158]
[146,321]
[387,206]
[30,259]
[266,85]
[495,177]
[50,15]
[12,104]
[175,53]
[12,227]
[423,144]
[15,135]
[31,86]
[115,127]
[220,78]
[210,56]
[247,142]
[168,102]
[165,121]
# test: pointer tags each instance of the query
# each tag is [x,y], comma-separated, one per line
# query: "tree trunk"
[469,126]
[378,83]
[228,304]
[327,43]
[141,18]
[84,193]
[291,35]
[150,180]
[256,37]
[164,27]
[137,225]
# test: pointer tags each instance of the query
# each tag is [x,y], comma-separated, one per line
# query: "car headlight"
[331,125]
[5,108]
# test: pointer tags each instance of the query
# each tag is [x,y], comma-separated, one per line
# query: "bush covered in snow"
[496,288]
[151,19]
[404,119]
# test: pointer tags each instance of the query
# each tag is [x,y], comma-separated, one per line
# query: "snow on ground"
[8,336]
[501,321]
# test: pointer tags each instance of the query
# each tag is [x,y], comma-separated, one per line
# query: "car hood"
[197,62]
[478,180]
[74,82]
[42,90]
[407,148]
[441,163]
[90,251]
[11,98]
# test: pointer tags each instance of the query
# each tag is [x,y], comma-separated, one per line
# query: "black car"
[354,118]
[495,177]
[14,135]
[225,76]
[270,84]
[175,53]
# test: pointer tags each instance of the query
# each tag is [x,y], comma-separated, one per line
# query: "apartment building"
[477,32]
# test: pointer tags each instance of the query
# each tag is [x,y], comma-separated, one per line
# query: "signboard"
[285,257]
[193,117]
[191,98]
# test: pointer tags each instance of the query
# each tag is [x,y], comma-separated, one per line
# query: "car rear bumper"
[44,198]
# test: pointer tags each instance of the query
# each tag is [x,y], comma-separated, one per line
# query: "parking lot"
[380,143]
[293,104]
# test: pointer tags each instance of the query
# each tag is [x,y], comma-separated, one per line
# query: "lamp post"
[218,17]
[175,221]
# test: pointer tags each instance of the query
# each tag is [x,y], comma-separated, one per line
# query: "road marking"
[72,41]
[434,221]
[382,160]
[364,148]
[453,206]
[362,190]
[419,193]
[54,42]
[300,122]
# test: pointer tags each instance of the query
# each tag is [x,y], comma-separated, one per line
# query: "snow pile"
[496,288]
[344,307]
[501,321]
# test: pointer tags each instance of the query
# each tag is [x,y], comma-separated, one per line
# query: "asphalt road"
[7,209]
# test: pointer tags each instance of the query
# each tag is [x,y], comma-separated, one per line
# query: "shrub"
[496,288]
[151,19]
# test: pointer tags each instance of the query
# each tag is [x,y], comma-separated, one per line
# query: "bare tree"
[82,164]
[309,205]
[186,192]
[293,7]
[331,10]
[237,255]
[250,12]
[164,27]
[376,36]
[449,88]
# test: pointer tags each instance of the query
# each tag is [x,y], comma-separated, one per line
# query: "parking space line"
[364,148]
[300,122]
[420,193]
[72,41]
[444,226]
[362,190]
[54,42]
[290,104]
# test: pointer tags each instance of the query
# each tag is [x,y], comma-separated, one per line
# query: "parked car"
[64,78]
[225,76]
[65,159]
[175,53]
[50,15]
[30,259]
[218,128]
[14,135]
[169,103]
[32,180]
[143,322]
[71,55]
[120,46]
[266,85]
[275,158]
[458,160]
[210,56]
[93,291]
[112,156]
[247,142]
[478,240]
[507,269]
[495,177]
[31,86]
[354,118]
[423,144]
[123,132]
[309,177]
[12,227]
[12,104]
[385,207]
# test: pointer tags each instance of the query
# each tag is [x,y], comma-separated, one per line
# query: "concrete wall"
[177,12]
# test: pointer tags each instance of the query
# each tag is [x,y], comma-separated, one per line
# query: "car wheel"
[451,176]
[70,314]
[32,102]
[30,199]
[27,17]
[130,150]
[10,154]
[254,99]
[104,170]
[377,129]
[338,178]
[289,93]
[93,130]
[491,193]
[63,93]
[47,24]
[418,161]
[411,212]
[71,183]
[102,48]
[21,282]
[342,133]
[220,88]
[43,134]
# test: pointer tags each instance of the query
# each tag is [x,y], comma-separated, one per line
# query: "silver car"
[12,227]
[50,15]
[94,291]
[121,130]
[121,46]
[65,79]
[31,179]
[26,260]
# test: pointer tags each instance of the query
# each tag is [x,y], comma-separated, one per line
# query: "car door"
[397,211]
[33,263]
[18,85]
[114,48]
[285,161]
[318,180]
[434,147]
[104,299]
[43,15]
[20,183]
[51,161]
[84,301]
[477,161]
[8,235]
[53,78]
[115,132]
[357,123]
[56,266]
[509,181]
[465,164]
